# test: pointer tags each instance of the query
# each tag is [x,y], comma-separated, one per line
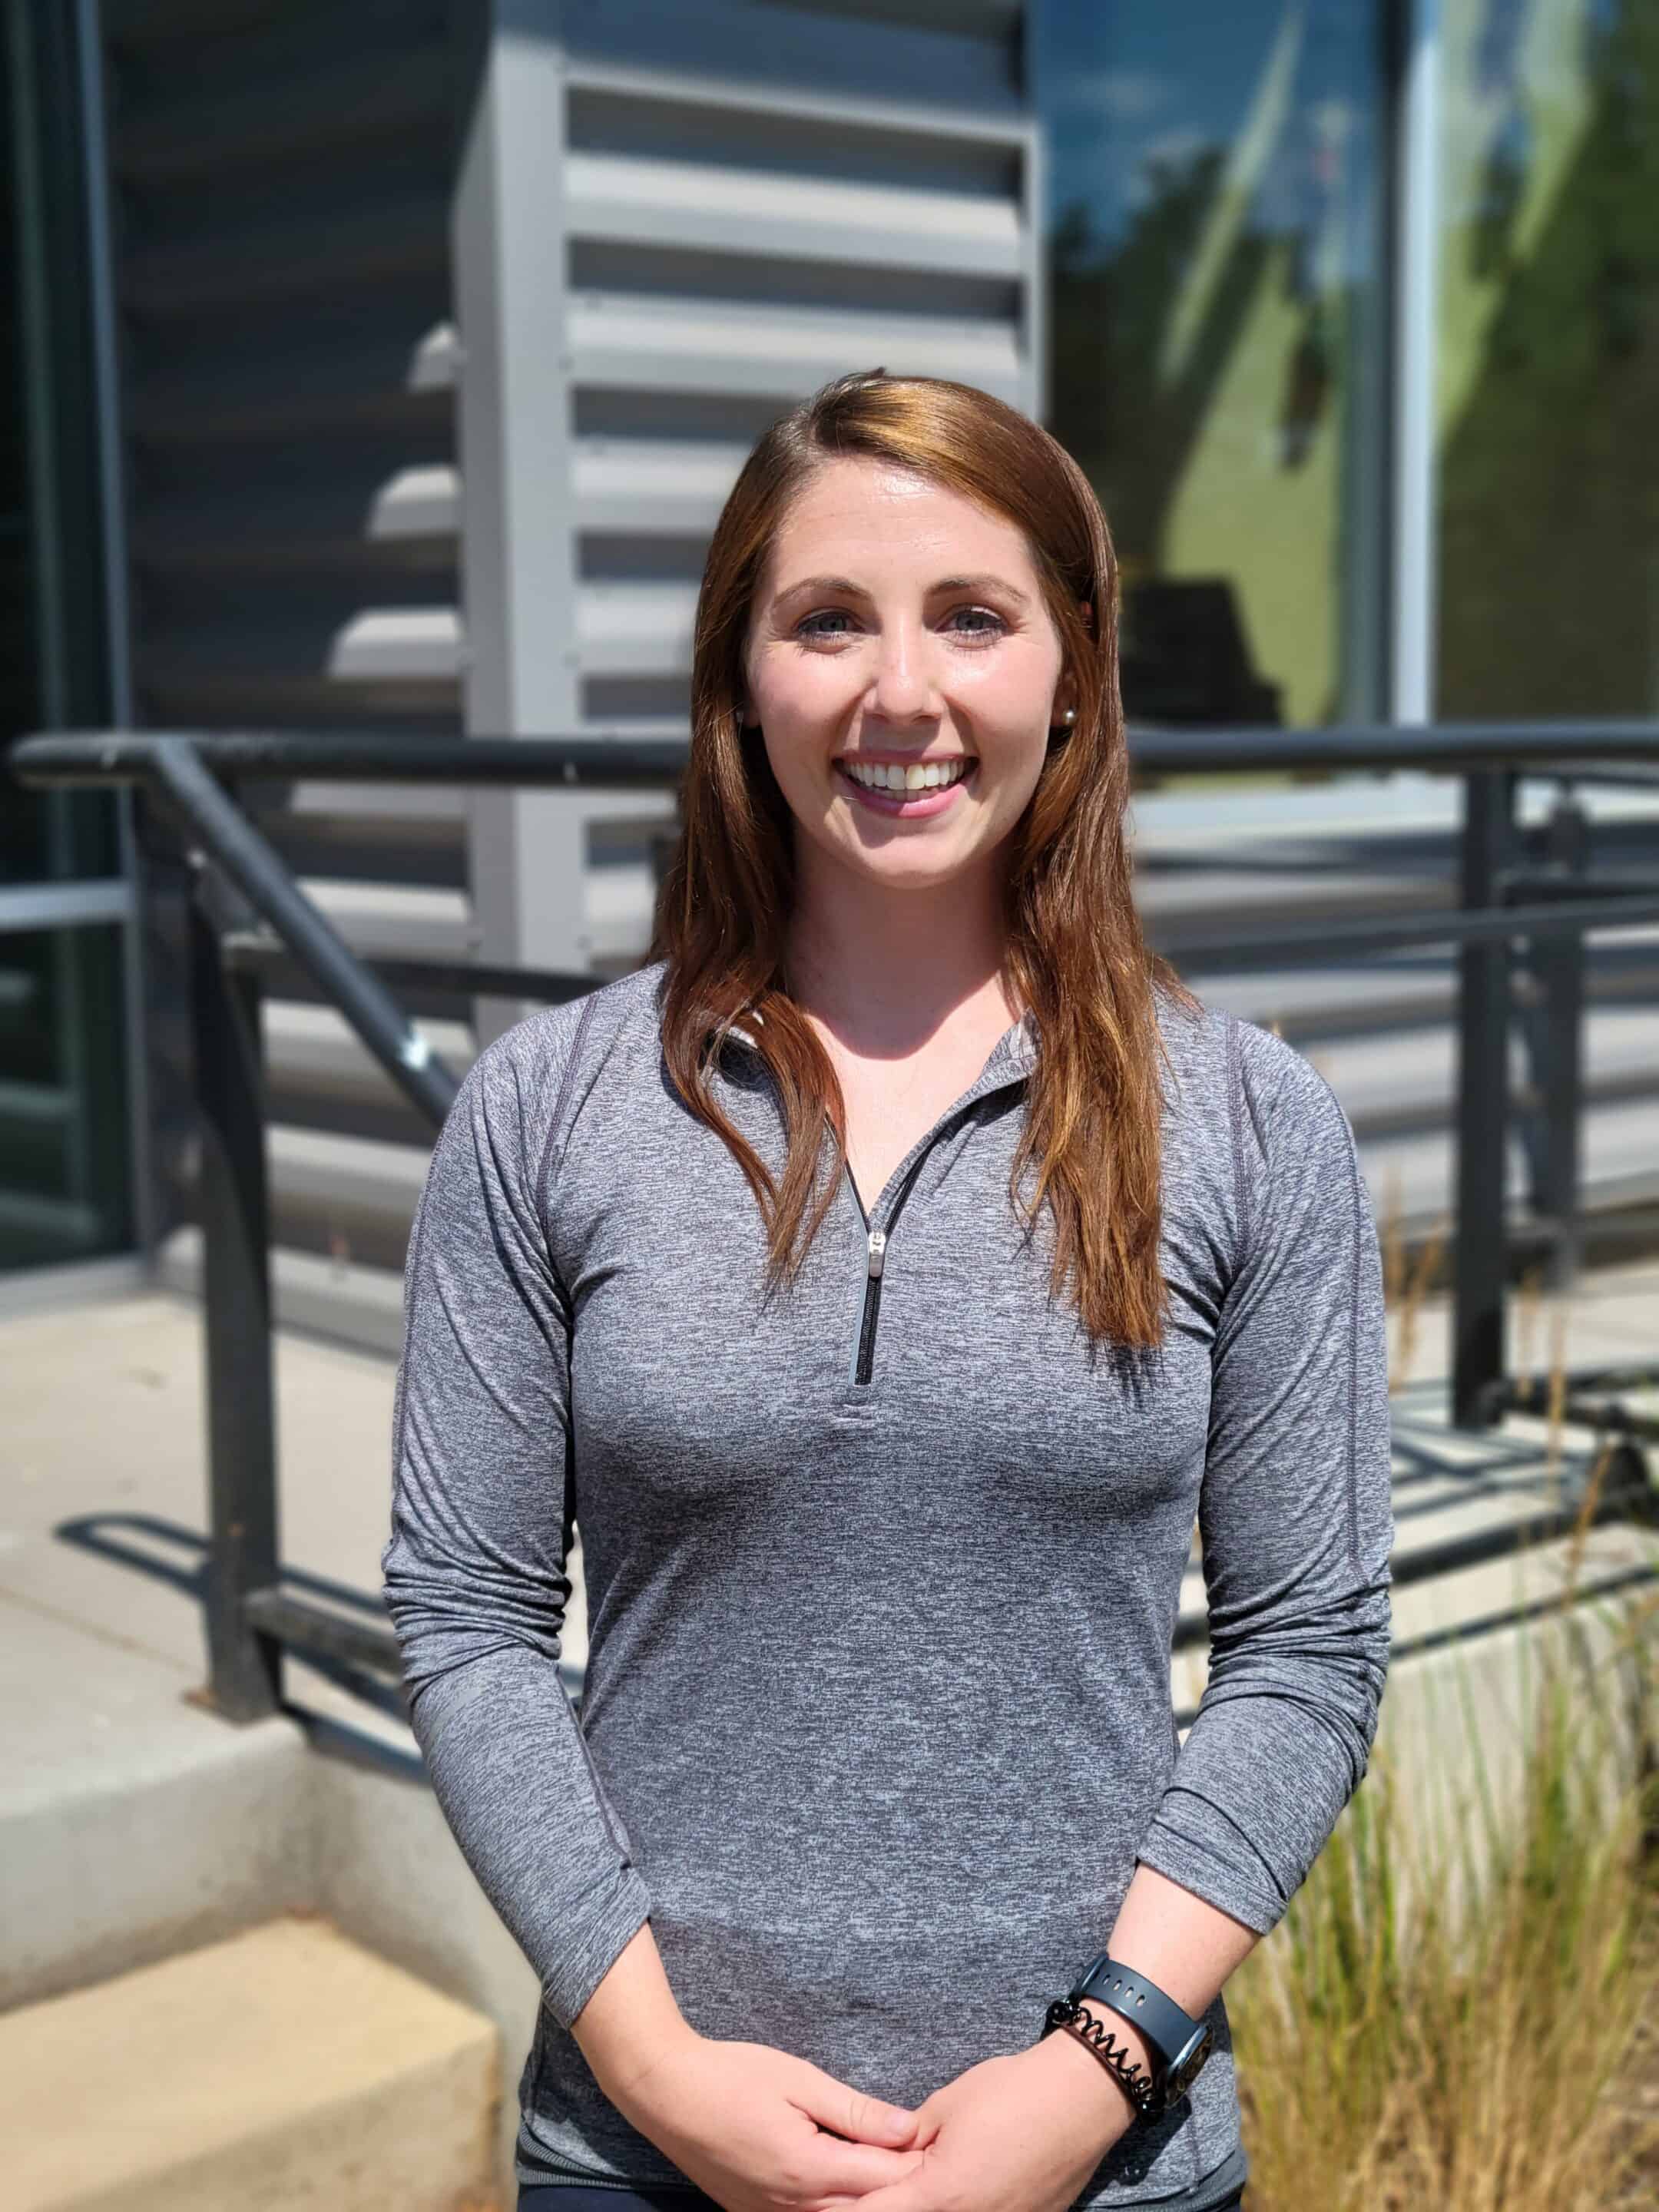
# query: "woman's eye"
[974,622]
[828,621]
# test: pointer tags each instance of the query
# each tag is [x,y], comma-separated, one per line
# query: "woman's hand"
[761,2130]
[1016,2134]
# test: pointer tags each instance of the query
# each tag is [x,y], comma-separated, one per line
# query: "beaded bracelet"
[1093,2033]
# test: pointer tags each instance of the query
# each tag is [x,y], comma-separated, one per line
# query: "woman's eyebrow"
[985,583]
[843,584]
[988,582]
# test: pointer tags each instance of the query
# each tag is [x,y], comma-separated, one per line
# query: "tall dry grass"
[1461,2009]
[1396,2052]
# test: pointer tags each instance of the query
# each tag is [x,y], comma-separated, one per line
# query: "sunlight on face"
[898,624]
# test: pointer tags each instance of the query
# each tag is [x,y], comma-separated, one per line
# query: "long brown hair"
[1074,948]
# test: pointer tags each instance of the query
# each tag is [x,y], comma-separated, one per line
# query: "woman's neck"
[884,970]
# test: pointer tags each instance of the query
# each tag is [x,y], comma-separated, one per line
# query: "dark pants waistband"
[577,2197]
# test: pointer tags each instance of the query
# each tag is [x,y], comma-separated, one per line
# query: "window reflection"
[63,1120]
[52,634]
[1548,359]
[1213,206]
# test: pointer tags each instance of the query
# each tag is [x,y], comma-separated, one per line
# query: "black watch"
[1179,2045]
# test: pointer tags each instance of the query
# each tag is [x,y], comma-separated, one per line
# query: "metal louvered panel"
[694,345]
[696,215]
[709,207]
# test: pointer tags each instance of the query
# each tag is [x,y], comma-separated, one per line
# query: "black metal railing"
[251,925]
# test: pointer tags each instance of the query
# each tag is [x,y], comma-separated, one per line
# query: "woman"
[887,1450]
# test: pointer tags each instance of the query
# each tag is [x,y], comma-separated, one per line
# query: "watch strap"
[1165,2025]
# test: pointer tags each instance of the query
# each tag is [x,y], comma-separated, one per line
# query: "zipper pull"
[877,1247]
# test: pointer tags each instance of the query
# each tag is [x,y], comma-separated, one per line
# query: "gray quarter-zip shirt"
[882,1572]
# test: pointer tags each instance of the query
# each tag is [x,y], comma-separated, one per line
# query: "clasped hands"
[761,2130]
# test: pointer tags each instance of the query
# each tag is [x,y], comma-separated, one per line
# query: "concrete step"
[133,1823]
[136,1824]
[285,2066]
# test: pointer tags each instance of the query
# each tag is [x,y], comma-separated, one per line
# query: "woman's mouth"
[906,789]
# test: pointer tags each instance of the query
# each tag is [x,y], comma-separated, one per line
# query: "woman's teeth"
[919,776]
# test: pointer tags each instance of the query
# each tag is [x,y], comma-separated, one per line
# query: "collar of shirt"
[1018,1045]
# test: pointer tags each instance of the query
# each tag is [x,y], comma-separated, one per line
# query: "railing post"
[1481,1258]
[243,1667]
[1556,1037]
[1561,968]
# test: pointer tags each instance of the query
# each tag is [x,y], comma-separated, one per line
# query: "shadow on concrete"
[169,1552]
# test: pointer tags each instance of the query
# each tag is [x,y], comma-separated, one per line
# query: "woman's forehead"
[887,511]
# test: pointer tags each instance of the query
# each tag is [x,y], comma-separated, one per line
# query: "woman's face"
[899,631]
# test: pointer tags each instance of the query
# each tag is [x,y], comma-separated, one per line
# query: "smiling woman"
[889,678]
[909,570]
[885,1277]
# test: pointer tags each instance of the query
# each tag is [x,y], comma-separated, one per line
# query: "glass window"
[64,1129]
[1548,369]
[52,663]
[1215,201]
[63,1091]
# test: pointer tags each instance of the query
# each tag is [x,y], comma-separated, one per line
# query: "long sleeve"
[474,1572]
[1295,1518]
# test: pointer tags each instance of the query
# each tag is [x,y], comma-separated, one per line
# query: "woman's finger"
[854,2170]
[850,2112]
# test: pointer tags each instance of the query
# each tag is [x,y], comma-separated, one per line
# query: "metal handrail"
[622,762]
[251,1619]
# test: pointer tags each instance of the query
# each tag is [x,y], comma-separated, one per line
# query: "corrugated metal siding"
[280,172]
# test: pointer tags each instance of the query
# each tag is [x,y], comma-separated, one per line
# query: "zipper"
[875,1260]
[871,1306]
[875,1240]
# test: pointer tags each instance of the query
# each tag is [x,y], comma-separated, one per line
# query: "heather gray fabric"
[877,1710]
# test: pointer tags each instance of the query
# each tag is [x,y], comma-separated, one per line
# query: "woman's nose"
[903,689]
